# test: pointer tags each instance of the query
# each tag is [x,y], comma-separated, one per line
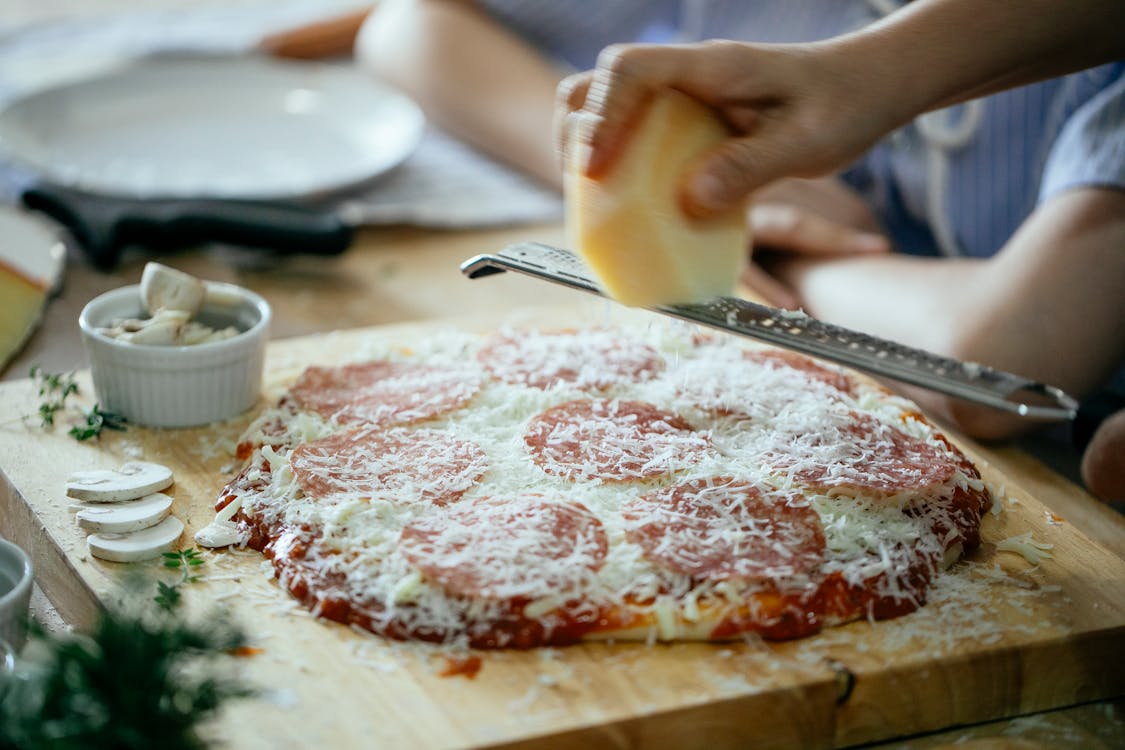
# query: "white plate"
[238,127]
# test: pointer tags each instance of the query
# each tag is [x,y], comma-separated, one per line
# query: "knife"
[104,225]
[797,331]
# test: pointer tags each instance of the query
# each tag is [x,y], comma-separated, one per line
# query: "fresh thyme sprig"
[167,596]
[97,419]
[186,561]
[54,389]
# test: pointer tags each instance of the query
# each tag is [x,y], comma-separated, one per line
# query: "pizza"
[532,488]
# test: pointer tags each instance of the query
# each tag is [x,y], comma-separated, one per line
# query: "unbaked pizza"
[531,488]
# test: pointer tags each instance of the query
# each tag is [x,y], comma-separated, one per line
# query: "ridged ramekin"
[178,386]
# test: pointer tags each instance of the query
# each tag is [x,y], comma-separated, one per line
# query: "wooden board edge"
[796,717]
[886,703]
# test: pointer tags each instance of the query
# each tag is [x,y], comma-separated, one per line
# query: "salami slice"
[384,393]
[809,368]
[419,466]
[594,359]
[520,548]
[612,440]
[858,452]
[755,385]
[722,528]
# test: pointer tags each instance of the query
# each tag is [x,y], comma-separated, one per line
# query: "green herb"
[54,389]
[142,678]
[96,421]
[184,560]
[167,597]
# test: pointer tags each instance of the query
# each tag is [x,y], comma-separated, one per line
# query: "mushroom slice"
[165,288]
[138,545]
[129,482]
[122,518]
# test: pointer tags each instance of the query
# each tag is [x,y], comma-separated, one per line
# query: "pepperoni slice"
[405,466]
[595,359]
[722,528]
[730,382]
[519,548]
[858,452]
[611,440]
[811,369]
[384,393]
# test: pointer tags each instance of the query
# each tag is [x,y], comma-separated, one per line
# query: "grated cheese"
[1022,544]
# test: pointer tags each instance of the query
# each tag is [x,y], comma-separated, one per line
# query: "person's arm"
[1048,306]
[949,51]
[332,37]
[806,109]
[473,78]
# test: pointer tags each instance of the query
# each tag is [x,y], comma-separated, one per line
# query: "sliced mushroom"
[129,482]
[126,517]
[166,328]
[138,545]
[165,288]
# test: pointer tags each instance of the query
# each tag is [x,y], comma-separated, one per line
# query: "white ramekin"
[178,386]
[15,597]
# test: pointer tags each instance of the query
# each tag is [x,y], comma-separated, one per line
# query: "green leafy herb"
[186,561]
[54,389]
[96,421]
[168,596]
[143,677]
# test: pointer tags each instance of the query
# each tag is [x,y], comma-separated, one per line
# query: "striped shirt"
[966,197]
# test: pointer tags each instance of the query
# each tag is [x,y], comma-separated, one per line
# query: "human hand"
[788,230]
[792,109]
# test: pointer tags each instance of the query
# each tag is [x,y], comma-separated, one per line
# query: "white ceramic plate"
[239,127]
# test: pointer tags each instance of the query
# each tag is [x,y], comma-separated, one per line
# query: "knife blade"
[800,332]
[104,225]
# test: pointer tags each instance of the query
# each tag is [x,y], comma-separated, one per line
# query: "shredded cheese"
[1024,545]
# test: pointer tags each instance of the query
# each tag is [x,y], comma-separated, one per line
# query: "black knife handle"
[104,225]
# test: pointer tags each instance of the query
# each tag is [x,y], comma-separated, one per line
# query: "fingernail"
[707,192]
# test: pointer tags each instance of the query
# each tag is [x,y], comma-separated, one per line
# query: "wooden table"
[399,274]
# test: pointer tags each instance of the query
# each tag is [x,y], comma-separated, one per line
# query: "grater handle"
[797,331]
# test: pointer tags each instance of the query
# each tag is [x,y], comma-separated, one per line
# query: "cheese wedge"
[24,299]
[629,227]
[31,263]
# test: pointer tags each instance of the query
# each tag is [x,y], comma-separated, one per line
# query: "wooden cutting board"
[1000,637]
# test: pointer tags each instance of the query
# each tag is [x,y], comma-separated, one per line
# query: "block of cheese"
[628,225]
[31,263]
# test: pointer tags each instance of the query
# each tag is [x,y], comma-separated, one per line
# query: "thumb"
[722,179]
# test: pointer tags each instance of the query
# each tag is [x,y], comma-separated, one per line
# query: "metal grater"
[967,380]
